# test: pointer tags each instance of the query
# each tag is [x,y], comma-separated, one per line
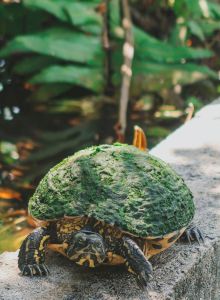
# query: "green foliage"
[30,65]
[153,56]
[56,46]
[47,91]
[70,51]
[200,18]
[197,103]
[87,77]
[9,152]
[76,13]
[150,48]
[14,19]
[59,42]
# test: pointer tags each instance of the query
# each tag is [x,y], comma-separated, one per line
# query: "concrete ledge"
[183,272]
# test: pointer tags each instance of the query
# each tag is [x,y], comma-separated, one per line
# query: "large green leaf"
[154,68]
[148,47]
[77,13]
[214,10]
[59,42]
[86,106]
[54,7]
[84,16]
[158,83]
[33,64]
[209,26]
[196,9]
[196,30]
[83,133]
[90,78]
[15,18]
[187,8]
[49,91]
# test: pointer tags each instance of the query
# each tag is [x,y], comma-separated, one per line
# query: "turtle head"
[86,248]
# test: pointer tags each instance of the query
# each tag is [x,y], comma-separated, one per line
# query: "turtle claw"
[35,270]
[143,278]
[27,270]
[144,275]
[193,233]
[45,269]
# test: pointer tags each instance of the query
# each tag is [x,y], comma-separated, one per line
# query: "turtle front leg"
[193,233]
[135,261]
[31,256]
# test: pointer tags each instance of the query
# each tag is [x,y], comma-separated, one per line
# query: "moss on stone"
[117,184]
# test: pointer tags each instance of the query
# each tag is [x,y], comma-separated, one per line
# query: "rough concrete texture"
[183,272]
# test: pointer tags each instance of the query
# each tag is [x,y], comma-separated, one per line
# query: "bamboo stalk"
[107,47]
[126,69]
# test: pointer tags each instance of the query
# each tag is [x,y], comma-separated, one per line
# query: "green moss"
[117,144]
[117,184]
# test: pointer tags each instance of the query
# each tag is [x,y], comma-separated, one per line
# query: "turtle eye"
[81,241]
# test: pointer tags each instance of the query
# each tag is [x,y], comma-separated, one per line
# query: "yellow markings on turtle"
[156,245]
[128,249]
[70,224]
[91,263]
[41,247]
[65,230]
[27,246]
[145,248]
[36,256]
[130,270]
[96,223]
[109,256]
[101,231]
[57,248]
[117,234]
[86,259]
[81,261]
[65,245]
[114,259]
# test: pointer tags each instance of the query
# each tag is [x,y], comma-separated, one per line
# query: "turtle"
[111,205]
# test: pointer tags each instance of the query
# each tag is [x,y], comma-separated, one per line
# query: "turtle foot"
[145,275]
[35,270]
[193,233]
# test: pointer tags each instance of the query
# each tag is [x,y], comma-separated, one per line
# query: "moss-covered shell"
[117,184]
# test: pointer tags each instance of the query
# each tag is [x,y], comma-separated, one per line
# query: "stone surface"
[183,272]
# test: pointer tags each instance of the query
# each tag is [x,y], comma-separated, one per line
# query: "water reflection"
[15,109]
[2,63]
[7,115]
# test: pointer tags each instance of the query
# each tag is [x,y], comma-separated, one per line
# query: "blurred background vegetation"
[60,83]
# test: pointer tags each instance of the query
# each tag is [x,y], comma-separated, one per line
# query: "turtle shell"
[118,184]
